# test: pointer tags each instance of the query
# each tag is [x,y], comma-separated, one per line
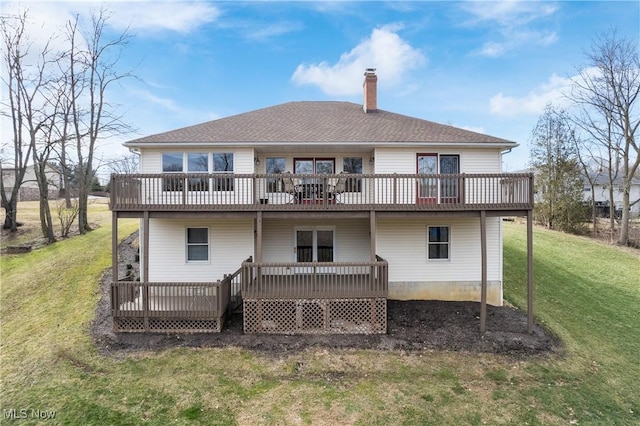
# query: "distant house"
[311,215]
[29,188]
[601,194]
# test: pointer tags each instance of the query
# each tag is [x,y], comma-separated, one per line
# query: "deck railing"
[315,280]
[193,191]
[174,300]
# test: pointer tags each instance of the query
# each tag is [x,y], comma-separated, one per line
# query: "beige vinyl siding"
[242,157]
[352,243]
[395,160]
[480,160]
[404,160]
[403,243]
[230,242]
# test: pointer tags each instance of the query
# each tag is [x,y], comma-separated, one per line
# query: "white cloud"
[181,17]
[384,49]
[508,12]
[139,16]
[514,21]
[176,109]
[274,30]
[513,38]
[552,91]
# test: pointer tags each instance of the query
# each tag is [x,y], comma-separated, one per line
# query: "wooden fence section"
[170,307]
[263,192]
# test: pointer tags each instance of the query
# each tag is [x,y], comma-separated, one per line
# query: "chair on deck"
[336,186]
[289,186]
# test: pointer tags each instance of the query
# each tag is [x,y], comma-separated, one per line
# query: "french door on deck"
[314,244]
[442,188]
[311,189]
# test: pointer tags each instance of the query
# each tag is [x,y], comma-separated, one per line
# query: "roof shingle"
[319,121]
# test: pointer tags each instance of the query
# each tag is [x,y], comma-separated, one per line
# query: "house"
[312,215]
[601,184]
[29,189]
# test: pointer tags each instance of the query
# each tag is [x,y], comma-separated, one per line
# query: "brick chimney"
[370,87]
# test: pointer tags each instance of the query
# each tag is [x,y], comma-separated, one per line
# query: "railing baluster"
[224,191]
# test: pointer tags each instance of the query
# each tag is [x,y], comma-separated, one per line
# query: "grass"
[588,293]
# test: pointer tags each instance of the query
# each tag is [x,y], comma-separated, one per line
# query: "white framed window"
[198,162]
[439,242]
[198,244]
[223,163]
[275,165]
[352,165]
[172,162]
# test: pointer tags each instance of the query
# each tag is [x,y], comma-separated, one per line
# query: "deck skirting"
[315,316]
[168,325]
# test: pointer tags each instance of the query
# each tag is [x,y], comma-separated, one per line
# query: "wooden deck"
[169,307]
[344,192]
[315,297]
[315,280]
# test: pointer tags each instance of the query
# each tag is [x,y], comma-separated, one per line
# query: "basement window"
[438,242]
[197,244]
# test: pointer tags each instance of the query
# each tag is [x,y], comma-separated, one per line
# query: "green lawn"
[588,293]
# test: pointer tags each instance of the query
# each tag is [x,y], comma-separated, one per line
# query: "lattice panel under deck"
[354,316]
[168,325]
[315,316]
[128,324]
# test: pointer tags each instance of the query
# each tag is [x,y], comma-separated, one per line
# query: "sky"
[486,66]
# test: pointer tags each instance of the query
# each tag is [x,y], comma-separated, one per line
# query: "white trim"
[186,245]
[314,232]
[450,248]
[342,144]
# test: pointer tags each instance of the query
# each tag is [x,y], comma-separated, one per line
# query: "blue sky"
[487,66]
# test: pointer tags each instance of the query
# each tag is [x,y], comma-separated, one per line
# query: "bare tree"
[63,128]
[607,92]
[92,70]
[31,109]
[584,156]
[13,53]
[126,165]
[599,155]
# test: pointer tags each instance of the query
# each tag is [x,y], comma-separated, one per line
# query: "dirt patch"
[411,326]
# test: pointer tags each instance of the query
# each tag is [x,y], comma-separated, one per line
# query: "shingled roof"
[319,122]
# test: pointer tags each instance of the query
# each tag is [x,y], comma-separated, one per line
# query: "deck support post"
[145,249]
[114,258]
[372,238]
[259,237]
[259,247]
[114,247]
[483,290]
[372,231]
[530,271]
[145,268]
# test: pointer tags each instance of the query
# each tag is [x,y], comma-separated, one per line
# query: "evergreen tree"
[558,181]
